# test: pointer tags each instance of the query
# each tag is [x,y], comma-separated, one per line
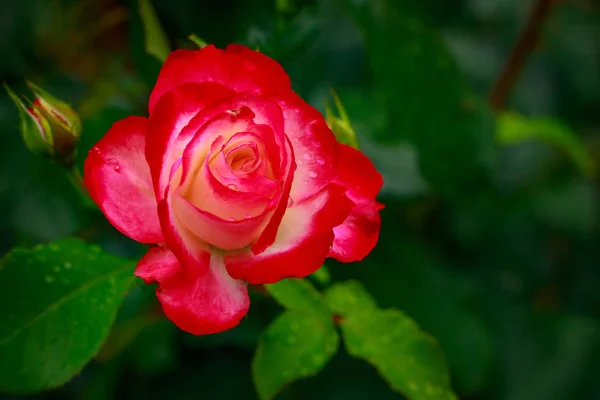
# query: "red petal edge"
[118,179]
[237,68]
[200,303]
[167,136]
[358,235]
[303,240]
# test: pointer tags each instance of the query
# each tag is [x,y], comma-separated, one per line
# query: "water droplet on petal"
[312,174]
[95,150]
[320,160]
[114,163]
[248,216]
[290,202]
[230,219]
[232,187]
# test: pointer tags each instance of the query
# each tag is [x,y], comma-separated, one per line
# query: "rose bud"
[341,126]
[49,126]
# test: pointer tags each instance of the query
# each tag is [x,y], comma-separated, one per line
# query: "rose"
[233,179]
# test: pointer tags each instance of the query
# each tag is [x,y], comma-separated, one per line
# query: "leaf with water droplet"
[349,297]
[407,358]
[52,321]
[294,346]
[300,295]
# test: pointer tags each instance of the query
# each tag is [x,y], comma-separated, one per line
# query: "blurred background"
[490,236]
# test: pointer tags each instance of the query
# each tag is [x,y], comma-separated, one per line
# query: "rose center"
[243,158]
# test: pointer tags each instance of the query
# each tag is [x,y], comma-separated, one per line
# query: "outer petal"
[237,68]
[314,144]
[200,301]
[165,139]
[118,178]
[303,240]
[357,236]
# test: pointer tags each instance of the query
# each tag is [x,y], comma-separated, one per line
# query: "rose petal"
[357,173]
[187,247]
[303,240]
[200,301]
[357,236]
[314,144]
[118,179]
[220,233]
[157,265]
[237,68]
[269,234]
[166,137]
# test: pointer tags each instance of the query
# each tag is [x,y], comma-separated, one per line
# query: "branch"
[527,41]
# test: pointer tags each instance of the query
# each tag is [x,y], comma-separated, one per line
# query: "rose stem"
[526,43]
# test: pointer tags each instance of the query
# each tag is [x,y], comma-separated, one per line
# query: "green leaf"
[322,276]
[294,346]
[349,297]
[409,360]
[156,41]
[57,303]
[300,295]
[513,128]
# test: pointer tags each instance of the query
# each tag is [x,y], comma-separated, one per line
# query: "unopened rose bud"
[341,126]
[49,126]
